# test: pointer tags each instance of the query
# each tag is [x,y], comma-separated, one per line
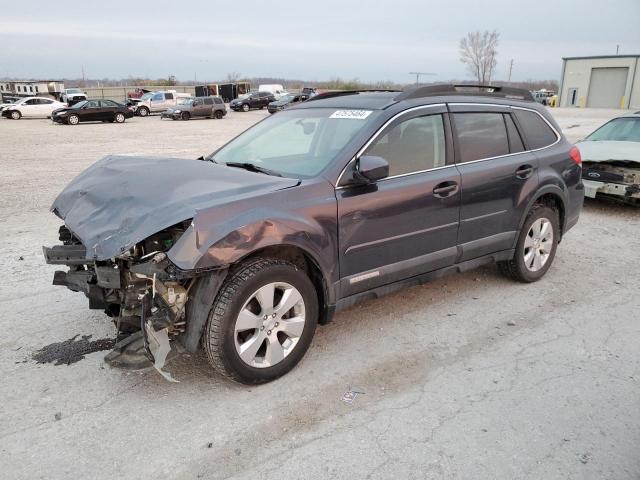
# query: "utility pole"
[510,69]
[417,74]
[617,49]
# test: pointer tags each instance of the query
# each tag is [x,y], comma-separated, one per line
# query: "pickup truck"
[157,102]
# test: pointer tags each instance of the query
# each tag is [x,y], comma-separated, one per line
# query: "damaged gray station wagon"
[348,196]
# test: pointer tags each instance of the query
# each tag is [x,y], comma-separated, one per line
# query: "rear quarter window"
[536,131]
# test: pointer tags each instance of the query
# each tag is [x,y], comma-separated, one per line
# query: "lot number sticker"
[351,114]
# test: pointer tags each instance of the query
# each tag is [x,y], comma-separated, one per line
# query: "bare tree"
[478,52]
[233,77]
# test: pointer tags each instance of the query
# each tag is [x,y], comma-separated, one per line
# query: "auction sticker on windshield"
[352,114]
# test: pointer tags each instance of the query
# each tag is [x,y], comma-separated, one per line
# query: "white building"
[604,81]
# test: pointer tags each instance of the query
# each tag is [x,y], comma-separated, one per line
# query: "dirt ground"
[471,376]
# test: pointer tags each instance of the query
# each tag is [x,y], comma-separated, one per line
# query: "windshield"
[242,97]
[146,96]
[296,143]
[626,129]
[80,104]
[73,90]
[287,98]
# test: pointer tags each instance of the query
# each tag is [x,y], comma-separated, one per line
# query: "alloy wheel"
[269,325]
[538,244]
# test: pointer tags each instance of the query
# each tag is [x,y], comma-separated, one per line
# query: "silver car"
[611,160]
[193,107]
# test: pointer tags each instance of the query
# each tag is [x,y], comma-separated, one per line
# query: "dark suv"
[348,196]
[252,100]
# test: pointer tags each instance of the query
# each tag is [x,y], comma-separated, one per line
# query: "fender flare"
[547,189]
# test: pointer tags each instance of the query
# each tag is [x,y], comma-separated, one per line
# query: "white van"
[156,102]
[276,89]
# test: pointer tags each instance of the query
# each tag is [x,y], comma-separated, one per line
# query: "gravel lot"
[471,376]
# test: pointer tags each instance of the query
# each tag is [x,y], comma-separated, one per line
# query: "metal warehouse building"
[606,82]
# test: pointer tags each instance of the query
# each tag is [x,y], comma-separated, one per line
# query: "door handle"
[524,171]
[445,189]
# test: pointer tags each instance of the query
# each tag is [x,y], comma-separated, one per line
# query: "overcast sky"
[315,40]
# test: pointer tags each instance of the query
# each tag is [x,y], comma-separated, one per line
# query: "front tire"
[245,107]
[16,115]
[536,247]
[185,116]
[143,111]
[262,321]
[73,119]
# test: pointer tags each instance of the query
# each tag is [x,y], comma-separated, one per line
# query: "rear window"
[536,131]
[480,135]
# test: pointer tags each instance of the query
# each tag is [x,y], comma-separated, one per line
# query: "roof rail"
[467,89]
[341,93]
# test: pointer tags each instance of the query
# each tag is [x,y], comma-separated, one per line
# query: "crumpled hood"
[119,201]
[603,151]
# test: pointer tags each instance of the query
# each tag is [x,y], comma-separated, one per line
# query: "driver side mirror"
[371,169]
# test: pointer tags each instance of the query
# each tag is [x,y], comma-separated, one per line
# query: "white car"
[611,160]
[32,107]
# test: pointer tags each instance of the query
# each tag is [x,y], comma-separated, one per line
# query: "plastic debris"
[350,396]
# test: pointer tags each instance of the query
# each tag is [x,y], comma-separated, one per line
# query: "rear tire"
[254,333]
[218,114]
[536,247]
[119,118]
[16,115]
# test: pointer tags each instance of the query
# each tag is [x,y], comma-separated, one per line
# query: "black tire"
[15,115]
[143,111]
[516,269]
[245,107]
[185,116]
[119,118]
[73,119]
[218,337]
[218,114]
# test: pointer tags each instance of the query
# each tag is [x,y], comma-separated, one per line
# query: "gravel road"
[471,376]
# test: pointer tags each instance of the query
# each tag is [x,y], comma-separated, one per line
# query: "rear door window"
[208,101]
[537,132]
[515,141]
[168,96]
[480,135]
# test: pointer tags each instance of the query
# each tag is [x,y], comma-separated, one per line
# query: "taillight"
[574,153]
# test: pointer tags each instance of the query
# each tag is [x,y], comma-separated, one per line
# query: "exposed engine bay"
[615,179]
[144,294]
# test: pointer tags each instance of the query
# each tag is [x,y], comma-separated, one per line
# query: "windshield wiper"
[252,168]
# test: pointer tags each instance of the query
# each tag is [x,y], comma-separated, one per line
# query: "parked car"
[345,197]
[92,111]
[187,108]
[611,159]
[309,91]
[31,107]
[287,101]
[252,100]
[157,102]
[542,96]
[71,96]
[276,89]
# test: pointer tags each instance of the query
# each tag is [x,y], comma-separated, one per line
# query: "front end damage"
[615,179]
[143,292]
